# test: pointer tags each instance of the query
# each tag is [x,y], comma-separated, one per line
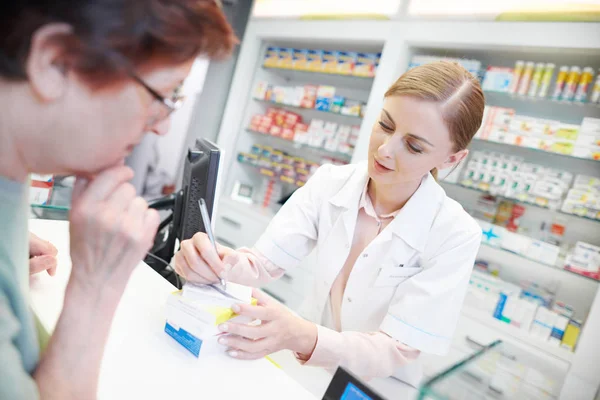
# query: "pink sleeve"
[369,355]
[249,267]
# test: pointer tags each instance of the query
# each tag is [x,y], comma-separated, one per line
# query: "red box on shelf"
[272,111]
[301,127]
[275,130]
[287,134]
[292,118]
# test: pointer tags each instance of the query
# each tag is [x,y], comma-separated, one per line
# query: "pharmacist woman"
[393,252]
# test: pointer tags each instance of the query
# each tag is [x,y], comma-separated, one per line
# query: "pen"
[209,233]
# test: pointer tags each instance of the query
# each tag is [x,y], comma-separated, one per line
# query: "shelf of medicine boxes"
[307,109]
[272,175]
[518,201]
[517,333]
[323,78]
[537,150]
[559,263]
[317,150]
[570,112]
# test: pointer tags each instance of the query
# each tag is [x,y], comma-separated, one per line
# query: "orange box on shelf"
[310,96]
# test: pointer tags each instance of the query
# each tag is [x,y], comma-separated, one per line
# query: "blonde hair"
[455,88]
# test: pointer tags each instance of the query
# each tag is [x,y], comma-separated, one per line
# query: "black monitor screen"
[199,181]
[345,386]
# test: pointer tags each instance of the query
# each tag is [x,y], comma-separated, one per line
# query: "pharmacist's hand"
[111,230]
[198,262]
[42,256]
[279,330]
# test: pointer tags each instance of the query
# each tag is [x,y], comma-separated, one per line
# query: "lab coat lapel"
[345,203]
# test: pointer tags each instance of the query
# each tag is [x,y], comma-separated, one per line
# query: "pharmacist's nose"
[385,151]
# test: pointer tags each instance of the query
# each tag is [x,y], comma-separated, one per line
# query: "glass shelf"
[555,266]
[536,150]
[519,201]
[323,78]
[356,117]
[340,156]
[496,371]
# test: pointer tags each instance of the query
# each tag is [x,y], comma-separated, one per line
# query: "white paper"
[210,296]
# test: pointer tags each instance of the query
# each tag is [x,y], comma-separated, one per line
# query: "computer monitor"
[200,170]
[346,386]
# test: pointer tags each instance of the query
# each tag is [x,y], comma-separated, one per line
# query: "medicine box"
[194,324]
[286,58]
[498,79]
[325,96]
[271,59]
[365,65]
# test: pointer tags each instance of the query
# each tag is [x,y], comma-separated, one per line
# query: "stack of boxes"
[278,165]
[504,238]
[331,136]
[278,122]
[503,126]
[584,259]
[583,198]
[508,176]
[322,98]
[526,307]
[325,61]
[473,66]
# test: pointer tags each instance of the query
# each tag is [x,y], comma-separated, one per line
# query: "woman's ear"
[454,159]
[45,65]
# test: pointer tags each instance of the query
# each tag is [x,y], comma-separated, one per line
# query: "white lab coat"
[409,282]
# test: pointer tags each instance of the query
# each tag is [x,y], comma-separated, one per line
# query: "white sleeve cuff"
[427,342]
[276,254]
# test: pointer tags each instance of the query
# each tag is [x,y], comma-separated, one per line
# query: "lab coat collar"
[414,221]
[349,195]
[412,224]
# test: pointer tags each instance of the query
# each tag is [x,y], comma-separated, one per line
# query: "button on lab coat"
[409,282]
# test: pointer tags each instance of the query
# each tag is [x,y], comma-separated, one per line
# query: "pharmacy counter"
[140,360]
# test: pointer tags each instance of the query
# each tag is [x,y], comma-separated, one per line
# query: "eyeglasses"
[168,105]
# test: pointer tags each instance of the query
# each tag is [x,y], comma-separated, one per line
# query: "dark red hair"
[140,32]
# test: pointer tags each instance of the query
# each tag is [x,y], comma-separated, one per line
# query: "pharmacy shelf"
[558,265]
[517,333]
[532,149]
[316,150]
[511,100]
[519,201]
[271,175]
[355,117]
[323,78]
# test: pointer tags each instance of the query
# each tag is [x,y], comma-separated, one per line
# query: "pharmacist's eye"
[413,149]
[385,127]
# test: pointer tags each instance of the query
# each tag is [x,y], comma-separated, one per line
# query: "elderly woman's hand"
[42,256]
